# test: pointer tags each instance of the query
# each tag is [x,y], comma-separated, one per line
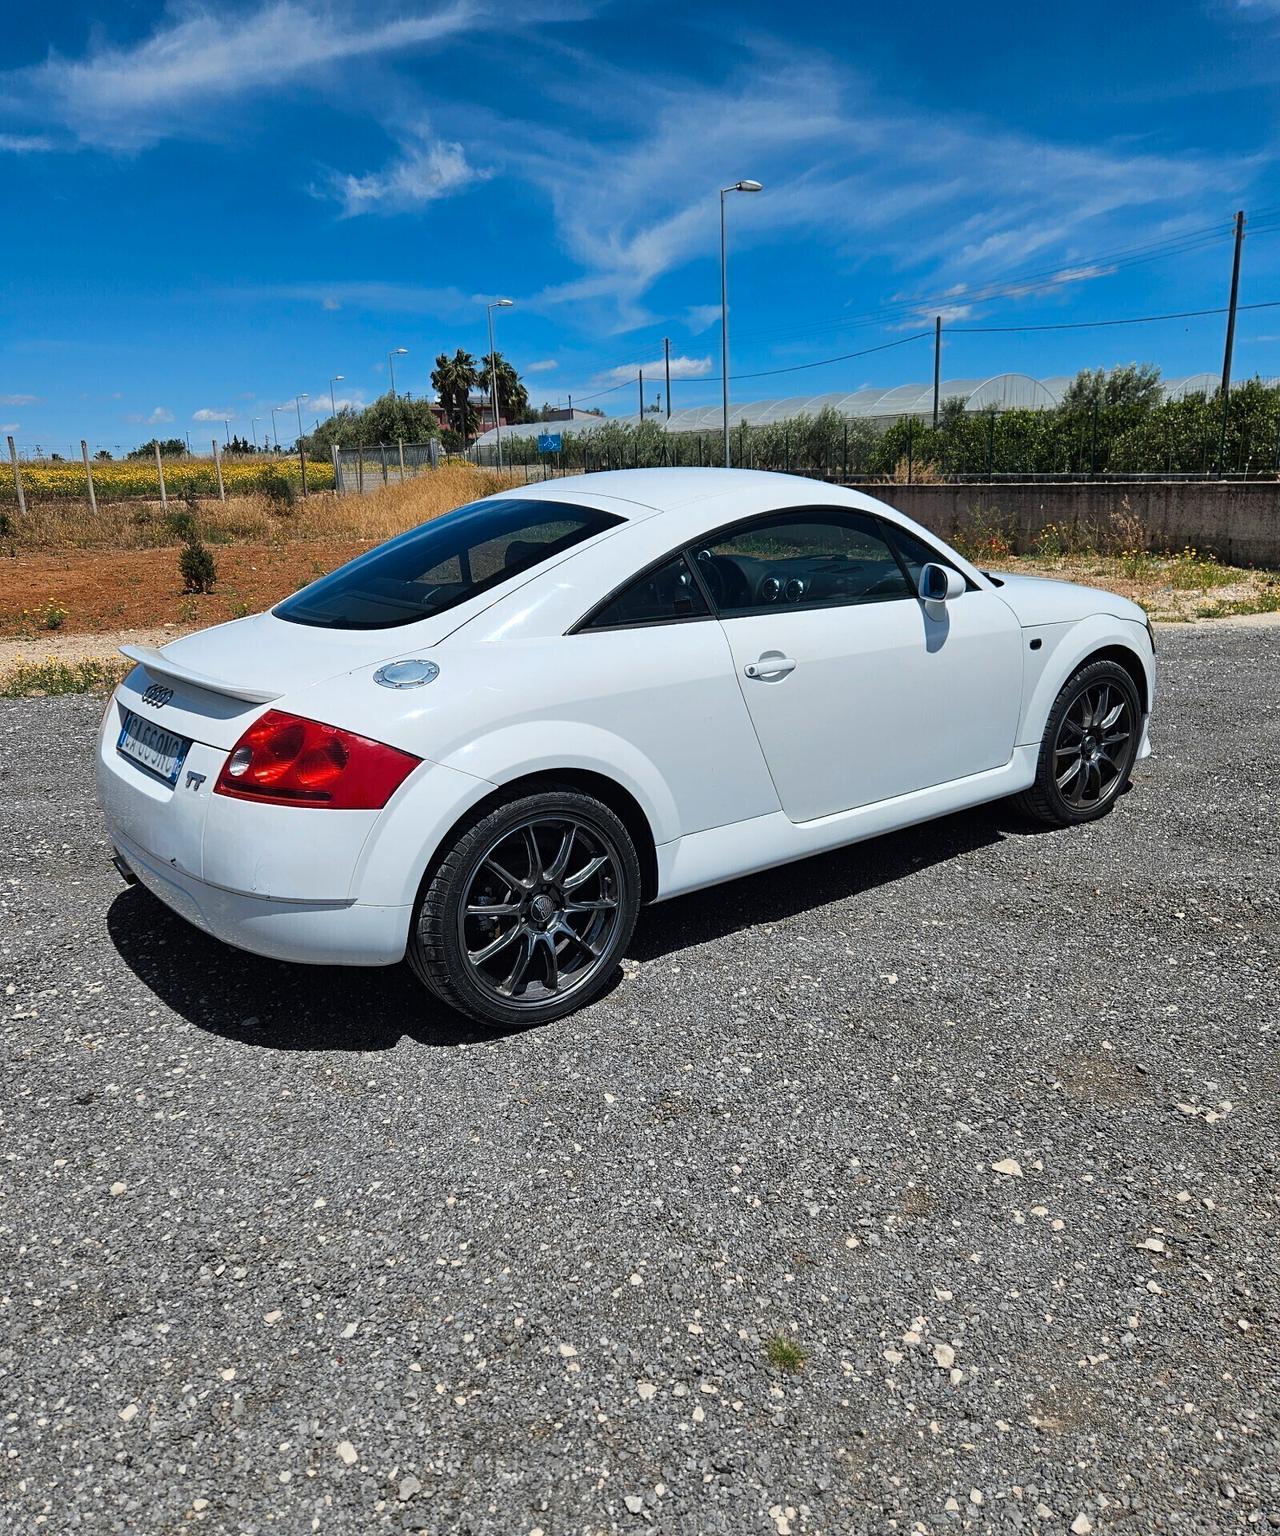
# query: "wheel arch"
[1126,657]
[608,791]
[1099,638]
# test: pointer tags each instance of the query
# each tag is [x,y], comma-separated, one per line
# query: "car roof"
[666,490]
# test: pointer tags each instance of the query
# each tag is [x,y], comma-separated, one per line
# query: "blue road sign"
[548,442]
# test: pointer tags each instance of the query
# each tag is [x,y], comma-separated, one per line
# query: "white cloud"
[372,296]
[212,413]
[922,318]
[424,170]
[25,143]
[19,400]
[159,414]
[544,366]
[681,368]
[953,196]
[700,317]
[198,56]
[10,426]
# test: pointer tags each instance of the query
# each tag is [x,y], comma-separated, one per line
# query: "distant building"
[480,405]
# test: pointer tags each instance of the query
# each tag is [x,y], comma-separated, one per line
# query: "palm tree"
[453,379]
[513,397]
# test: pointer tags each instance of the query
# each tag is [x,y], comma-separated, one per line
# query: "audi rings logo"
[157,696]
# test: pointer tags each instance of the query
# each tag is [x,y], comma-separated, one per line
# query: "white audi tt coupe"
[487,742]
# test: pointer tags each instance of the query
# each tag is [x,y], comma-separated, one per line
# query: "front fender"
[1063,648]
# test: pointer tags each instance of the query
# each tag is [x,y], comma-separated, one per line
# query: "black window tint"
[810,559]
[443,563]
[916,554]
[665,594]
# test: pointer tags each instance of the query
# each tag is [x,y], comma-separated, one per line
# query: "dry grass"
[256,518]
[1172,588]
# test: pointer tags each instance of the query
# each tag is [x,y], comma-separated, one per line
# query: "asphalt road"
[288,1249]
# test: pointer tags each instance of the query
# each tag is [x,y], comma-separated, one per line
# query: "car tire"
[525,916]
[1088,749]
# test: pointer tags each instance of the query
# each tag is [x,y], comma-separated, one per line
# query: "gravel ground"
[925,1186]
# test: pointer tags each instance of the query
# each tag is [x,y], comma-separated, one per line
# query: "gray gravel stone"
[781,1125]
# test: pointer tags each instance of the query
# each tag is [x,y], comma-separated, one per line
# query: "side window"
[659,596]
[810,559]
[916,554]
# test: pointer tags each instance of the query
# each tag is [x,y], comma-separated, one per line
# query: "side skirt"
[746,847]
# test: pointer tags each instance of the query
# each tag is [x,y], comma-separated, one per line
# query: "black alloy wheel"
[525,918]
[1090,742]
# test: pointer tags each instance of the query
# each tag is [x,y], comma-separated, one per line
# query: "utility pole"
[1231,339]
[642,397]
[666,358]
[937,366]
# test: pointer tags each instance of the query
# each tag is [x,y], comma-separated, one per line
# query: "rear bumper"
[309,932]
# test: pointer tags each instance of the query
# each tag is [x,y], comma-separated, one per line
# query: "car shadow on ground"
[280,1006]
[812,883]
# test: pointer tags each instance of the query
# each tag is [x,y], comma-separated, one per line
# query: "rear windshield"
[443,563]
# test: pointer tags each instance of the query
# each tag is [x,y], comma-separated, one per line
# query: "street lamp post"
[256,420]
[738,186]
[336,379]
[275,429]
[391,363]
[493,372]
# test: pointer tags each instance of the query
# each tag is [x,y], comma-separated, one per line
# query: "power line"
[844,357]
[768,373]
[1018,282]
[1086,325]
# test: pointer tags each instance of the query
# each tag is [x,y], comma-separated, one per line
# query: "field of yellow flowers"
[123,479]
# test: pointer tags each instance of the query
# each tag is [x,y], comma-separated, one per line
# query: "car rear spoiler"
[157,661]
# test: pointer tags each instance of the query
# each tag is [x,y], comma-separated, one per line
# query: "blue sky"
[212,207]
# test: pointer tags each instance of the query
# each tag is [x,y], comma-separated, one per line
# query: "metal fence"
[1188,438]
[365,469]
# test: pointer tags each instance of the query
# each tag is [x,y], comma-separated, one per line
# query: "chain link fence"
[359,470]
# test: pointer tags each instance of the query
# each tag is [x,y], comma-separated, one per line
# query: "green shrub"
[198,567]
[181,524]
[280,488]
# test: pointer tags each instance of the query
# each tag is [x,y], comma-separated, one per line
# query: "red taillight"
[291,761]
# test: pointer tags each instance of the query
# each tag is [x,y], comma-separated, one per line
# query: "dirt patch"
[106,591]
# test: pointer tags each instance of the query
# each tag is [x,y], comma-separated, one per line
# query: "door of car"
[857,694]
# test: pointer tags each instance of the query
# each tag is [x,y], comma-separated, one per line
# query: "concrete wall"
[1239,522]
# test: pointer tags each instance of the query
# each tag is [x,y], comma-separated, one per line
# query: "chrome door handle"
[770,666]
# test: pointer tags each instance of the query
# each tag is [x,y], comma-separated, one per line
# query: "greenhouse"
[1001,392]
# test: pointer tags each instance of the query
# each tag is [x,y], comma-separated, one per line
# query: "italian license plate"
[159,752]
